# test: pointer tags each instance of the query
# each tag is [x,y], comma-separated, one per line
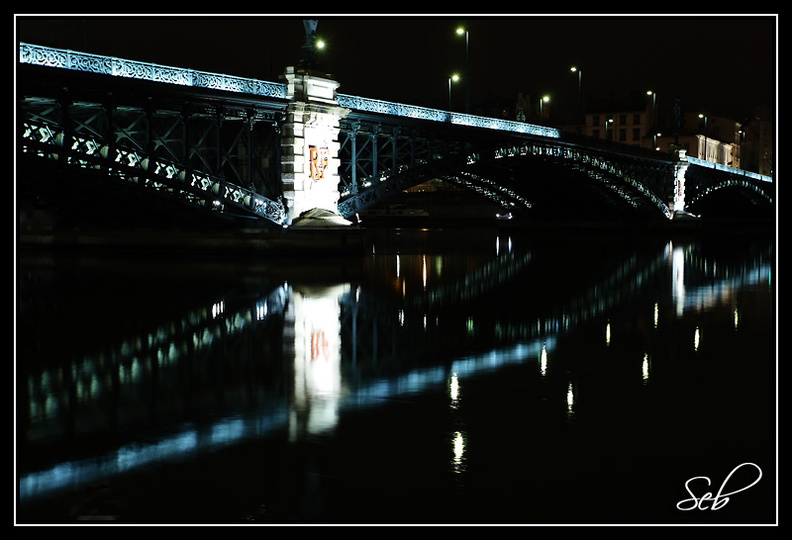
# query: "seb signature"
[708,501]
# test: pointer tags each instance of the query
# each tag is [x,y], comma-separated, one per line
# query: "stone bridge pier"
[680,167]
[310,145]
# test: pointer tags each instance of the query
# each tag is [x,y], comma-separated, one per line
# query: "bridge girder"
[494,167]
[203,150]
[373,150]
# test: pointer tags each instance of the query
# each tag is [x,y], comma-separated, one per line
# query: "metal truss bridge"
[133,139]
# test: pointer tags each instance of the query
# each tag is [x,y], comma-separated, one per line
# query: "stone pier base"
[309,144]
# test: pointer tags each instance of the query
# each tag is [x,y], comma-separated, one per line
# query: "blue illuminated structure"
[379,163]
[108,65]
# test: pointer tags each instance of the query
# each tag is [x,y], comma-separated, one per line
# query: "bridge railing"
[422,113]
[730,170]
[108,65]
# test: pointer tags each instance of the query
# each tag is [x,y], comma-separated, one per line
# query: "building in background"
[711,138]
[625,120]
[757,141]
[634,120]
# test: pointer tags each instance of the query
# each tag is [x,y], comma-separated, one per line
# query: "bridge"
[130,140]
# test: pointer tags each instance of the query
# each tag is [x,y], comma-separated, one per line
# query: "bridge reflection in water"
[125,368]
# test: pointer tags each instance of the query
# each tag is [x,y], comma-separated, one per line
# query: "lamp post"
[311,44]
[608,122]
[452,78]
[542,101]
[459,32]
[704,116]
[654,102]
[580,98]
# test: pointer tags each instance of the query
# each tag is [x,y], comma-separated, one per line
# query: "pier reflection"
[312,328]
[195,358]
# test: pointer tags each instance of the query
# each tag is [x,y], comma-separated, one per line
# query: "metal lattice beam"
[168,178]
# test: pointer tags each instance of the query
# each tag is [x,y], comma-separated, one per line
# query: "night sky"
[722,65]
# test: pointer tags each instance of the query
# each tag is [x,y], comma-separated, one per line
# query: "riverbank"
[462,210]
[355,239]
[238,242]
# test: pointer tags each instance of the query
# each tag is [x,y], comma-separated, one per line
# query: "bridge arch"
[534,178]
[719,191]
[728,197]
[559,177]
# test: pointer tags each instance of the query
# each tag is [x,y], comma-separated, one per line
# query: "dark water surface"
[449,377]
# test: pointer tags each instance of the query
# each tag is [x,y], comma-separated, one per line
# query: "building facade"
[626,120]
[633,121]
[710,138]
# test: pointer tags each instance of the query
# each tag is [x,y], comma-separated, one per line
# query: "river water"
[470,376]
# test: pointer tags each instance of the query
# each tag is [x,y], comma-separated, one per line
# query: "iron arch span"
[546,183]
[730,198]
[553,185]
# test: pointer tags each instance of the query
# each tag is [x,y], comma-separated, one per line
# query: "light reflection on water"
[275,358]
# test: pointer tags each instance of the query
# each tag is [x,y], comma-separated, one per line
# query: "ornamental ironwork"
[108,65]
[422,113]
[195,187]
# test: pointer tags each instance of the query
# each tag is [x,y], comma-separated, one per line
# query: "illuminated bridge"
[133,140]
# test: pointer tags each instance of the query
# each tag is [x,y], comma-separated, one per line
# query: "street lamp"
[542,101]
[654,101]
[652,125]
[459,32]
[311,45]
[704,116]
[452,78]
[740,148]
[580,98]
[608,122]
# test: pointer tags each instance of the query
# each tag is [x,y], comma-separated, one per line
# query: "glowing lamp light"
[570,399]
[453,390]
[459,452]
